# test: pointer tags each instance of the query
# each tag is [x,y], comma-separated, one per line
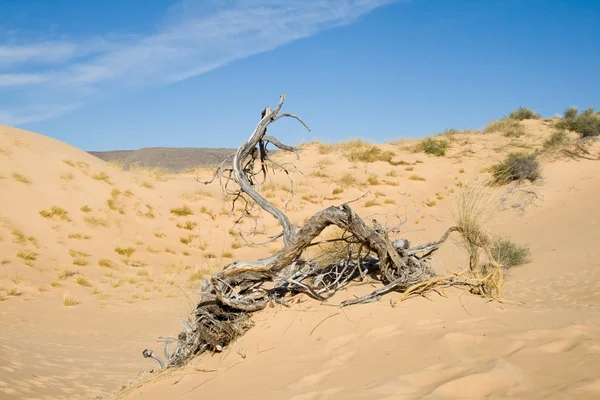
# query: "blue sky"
[144,73]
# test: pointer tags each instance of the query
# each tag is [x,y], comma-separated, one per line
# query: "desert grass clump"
[516,167]
[56,211]
[586,123]
[373,180]
[347,180]
[508,127]
[85,209]
[125,251]
[69,300]
[21,178]
[434,147]
[371,203]
[370,154]
[78,236]
[337,191]
[392,173]
[102,176]
[416,178]
[196,276]
[95,221]
[182,211]
[523,113]
[189,225]
[508,253]
[557,140]
[67,273]
[106,263]
[82,280]
[27,255]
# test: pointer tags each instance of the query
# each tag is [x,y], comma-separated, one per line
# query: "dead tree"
[241,288]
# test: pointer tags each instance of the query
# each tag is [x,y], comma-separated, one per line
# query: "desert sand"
[97,263]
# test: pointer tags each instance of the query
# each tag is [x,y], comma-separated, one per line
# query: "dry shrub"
[508,253]
[522,113]
[435,147]
[516,167]
[557,140]
[508,127]
[587,124]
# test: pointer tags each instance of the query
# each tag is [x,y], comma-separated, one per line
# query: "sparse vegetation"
[67,273]
[416,178]
[78,236]
[586,123]
[106,263]
[27,255]
[371,203]
[347,180]
[558,139]
[434,147]
[392,173]
[508,127]
[508,253]
[56,211]
[125,252]
[516,166]
[81,280]
[21,178]
[182,211]
[523,113]
[69,300]
[337,191]
[85,208]
[95,221]
[373,180]
[189,225]
[102,176]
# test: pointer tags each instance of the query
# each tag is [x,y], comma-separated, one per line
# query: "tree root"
[230,297]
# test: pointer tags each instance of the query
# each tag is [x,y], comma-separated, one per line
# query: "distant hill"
[173,159]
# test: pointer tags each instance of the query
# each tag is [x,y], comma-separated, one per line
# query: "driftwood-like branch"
[228,299]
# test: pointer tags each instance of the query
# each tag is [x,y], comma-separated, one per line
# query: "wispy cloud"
[194,37]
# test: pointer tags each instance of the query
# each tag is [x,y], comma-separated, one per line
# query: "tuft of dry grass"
[27,255]
[69,300]
[67,177]
[430,203]
[82,280]
[78,236]
[69,163]
[67,273]
[189,225]
[95,221]
[102,176]
[85,208]
[373,180]
[508,127]
[125,252]
[159,235]
[106,263]
[371,203]
[21,178]
[196,276]
[182,211]
[416,178]
[434,147]
[347,180]
[389,201]
[56,211]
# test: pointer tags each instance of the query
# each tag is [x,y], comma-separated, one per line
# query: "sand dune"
[130,246]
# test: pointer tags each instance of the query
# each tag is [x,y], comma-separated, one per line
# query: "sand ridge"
[130,246]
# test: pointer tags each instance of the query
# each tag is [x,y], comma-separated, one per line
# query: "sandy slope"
[543,344]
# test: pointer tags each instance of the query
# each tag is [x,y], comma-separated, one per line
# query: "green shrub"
[509,254]
[522,113]
[558,139]
[435,147]
[587,124]
[516,167]
[571,112]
